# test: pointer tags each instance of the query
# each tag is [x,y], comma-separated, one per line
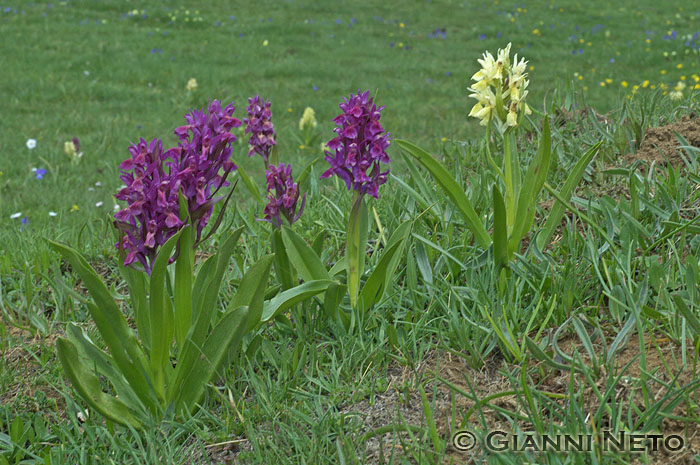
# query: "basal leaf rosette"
[500,90]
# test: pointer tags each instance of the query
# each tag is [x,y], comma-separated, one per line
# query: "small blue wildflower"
[482,36]
[315,87]
[612,60]
[40,172]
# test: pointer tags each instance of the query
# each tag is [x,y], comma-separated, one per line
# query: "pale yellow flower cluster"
[500,89]
[72,151]
[191,85]
[308,119]
[677,92]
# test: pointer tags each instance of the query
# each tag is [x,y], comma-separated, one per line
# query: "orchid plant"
[355,155]
[170,196]
[500,90]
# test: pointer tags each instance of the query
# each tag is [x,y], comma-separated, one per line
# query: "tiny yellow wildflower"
[624,84]
[265,42]
[663,71]
[191,85]
[74,208]
[679,66]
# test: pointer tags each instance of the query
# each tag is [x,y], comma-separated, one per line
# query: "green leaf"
[209,278]
[290,297]
[120,339]
[104,364]
[303,257]
[225,335]
[500,242]
[541,356]
[557,212]
[283,268]
[317,244]
[532,186]
[339,267]
[251,291]
[136,281]
[423,263]
[88,386]
[184,265]
[382,276]
[356,246]
[688,314]
[331,302]
[307,169]
[161,314]
[452,189]
[249,184]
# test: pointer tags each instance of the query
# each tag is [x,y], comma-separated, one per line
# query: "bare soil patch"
[660,144]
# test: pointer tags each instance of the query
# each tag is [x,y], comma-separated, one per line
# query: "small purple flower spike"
[259,125]
[360,145]
[283,203]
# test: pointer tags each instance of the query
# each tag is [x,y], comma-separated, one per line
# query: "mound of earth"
[660,144]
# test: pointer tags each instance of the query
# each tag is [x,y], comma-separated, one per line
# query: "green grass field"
[599,330]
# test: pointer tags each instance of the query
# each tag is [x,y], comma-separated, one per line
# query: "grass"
[598,330]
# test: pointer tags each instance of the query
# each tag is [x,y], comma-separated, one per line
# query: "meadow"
[590,324]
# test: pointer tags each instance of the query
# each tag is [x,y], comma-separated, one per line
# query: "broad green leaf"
[382,276]
[423,263]
[88,386]
[136,281]
[557,212]
[452,189]
[286,299]
[532,186]
[184,266]
[105,365]
[251,291]
[283,268]
[161,314]
[303,257]
[120,339]
[249,184]
[339,266]
[332,299]
[226,334]
[210,282]
[356,245]
[500,242]
[317,244]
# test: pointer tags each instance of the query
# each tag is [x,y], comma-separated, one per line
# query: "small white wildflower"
[14,216]
[53,214]
[99,204]
[31,143]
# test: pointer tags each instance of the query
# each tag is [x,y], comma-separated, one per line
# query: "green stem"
[512,178]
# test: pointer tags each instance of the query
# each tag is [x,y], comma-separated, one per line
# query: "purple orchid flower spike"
[360,146]
[152,193]
[260,127]
[284,201]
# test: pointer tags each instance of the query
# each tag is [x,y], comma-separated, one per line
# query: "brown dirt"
[29,374]
[401,405]
[660,144]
